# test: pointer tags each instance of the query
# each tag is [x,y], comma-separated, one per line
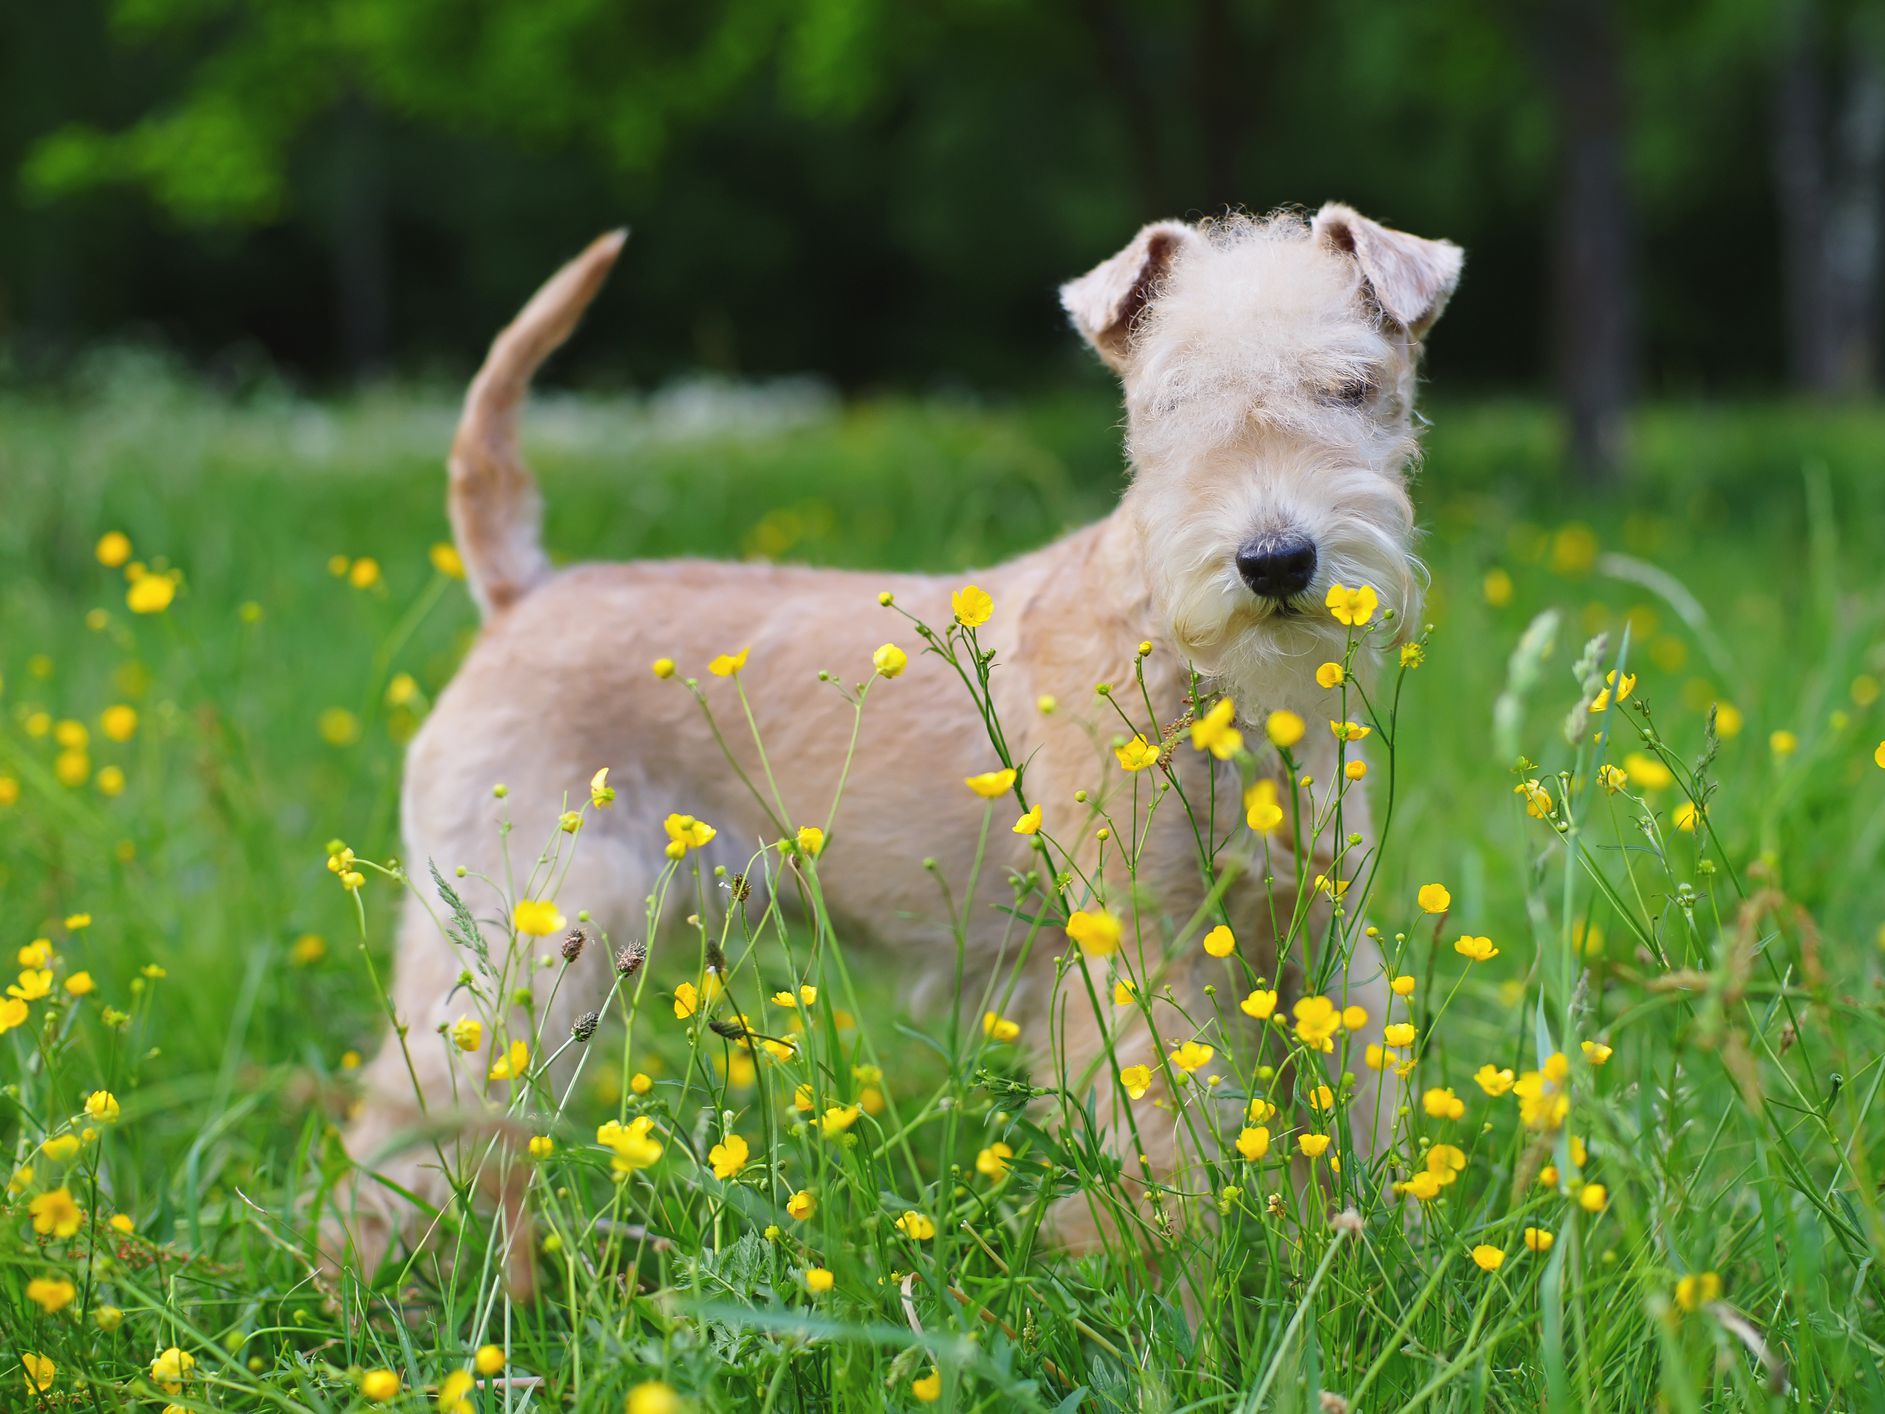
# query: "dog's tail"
[497,514]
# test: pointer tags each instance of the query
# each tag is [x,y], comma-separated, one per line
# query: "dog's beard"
[1263,651]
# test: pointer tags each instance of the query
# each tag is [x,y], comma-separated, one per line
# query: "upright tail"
[497,514]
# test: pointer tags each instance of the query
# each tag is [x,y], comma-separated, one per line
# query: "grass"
[1733,968]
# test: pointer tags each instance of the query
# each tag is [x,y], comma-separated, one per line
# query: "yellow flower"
[1137,1079]
[378,1386]
[1539,1239]
[818,1280]
[726,665]
[1253,1144]
[686,1000]
[662,668]
[40,1371]
[34,983]
[1602,700]
[1688,815]
[916,1226]
[1353,607]
[119,723]
[60,1147]
[1493,1081]
[1354,770]
[801,1205]
[51,1294]
[1434,898]
[1537,798]
[80,984]
[1219,942]
[1354,1018]
[1192,1056]
[172,1368]
[1424,1186]
[1402,986]
[113,549]
[446,560]
[1349,731]
[1137,754]
[1317,1021]
[1097,933]
[632,1146]
[1029,823]
[537,918]
[1445,1162]
[684,833]
[1477,949]
[999,1028]
[121,1223]
[928,1389]
[641,1082]
[1647,772]
[1412,655]
[729,1156]
[452,1391]
[1594,1198]
[1284,728]
[1543,1102]
[1259,1005]
[889,660]
[55,1214]
[1214,733]
[1331,675]
[1695,1291]
[150,593]
[811,841]
[972,606]
[541,1146]
[1443,1104]
[601,793]
[1612,778]
[653,1397]
[467,1033]
[992,1162]
[837,1119]
[1488,1259]
[1783,743]
[1313,1146]
[1123,992]
[108,1318]
[1321,1098]
[1728,720]
[1596,1052]
[102,1106]
[805,996]
[514,1064]
[1497,587]
[990,784]
[1263,811]
[365,573]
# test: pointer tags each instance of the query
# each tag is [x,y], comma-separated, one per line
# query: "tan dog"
[1269,370]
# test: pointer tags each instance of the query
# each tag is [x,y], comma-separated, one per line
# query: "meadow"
[1641,1159]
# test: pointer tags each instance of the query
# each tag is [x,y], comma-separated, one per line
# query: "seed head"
[585,1026]
[628,960]
[573,944]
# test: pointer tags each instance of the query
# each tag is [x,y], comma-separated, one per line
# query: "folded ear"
[1411,278]
[1104,302]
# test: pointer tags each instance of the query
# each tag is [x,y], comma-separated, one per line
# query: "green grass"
[1736,1128]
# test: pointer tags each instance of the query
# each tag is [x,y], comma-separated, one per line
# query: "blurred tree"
[880,192]
[1829,167]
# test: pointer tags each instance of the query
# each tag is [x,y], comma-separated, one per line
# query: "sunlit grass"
[1726,975]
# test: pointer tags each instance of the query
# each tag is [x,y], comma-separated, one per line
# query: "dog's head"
[1269,369]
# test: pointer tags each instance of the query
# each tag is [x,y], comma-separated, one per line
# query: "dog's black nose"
[1278,566]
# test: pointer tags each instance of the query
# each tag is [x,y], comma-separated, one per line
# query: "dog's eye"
[1352,392]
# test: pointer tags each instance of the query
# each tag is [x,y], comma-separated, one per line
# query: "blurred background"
[1659,199]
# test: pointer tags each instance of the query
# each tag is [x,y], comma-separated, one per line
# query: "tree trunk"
[1594,300]
[357,240]
[1800,182]
[1852,228]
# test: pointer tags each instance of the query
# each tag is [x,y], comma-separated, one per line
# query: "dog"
[1269,368]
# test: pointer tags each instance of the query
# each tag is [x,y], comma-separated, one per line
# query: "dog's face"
[1269,368]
